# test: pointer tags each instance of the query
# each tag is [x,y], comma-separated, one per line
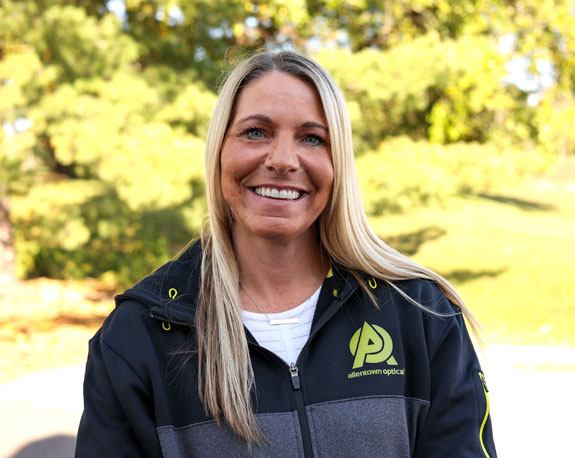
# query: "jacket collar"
[170,293]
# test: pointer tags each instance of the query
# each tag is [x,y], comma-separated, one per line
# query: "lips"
[276,193]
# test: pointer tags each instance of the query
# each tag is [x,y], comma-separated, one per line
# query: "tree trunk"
[7,273]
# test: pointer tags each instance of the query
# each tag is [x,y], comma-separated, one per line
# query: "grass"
[47,323]
[511,255]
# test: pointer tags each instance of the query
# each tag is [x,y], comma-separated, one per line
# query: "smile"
[274,193]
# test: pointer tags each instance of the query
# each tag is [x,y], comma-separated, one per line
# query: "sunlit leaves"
[445,90]
[402,174]
[103,118]
[81,46]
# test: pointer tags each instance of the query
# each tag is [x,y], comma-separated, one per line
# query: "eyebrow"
[268,120]
[255,116]
[315,124]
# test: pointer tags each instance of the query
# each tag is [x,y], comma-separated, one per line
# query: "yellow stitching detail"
[372,283]
[334,293]
[166,326]
[173,292]
[329,273]
[482,377]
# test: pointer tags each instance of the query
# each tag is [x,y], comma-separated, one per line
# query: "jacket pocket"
[366,427]
[206,439]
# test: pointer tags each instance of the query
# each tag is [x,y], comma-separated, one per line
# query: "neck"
[279,276]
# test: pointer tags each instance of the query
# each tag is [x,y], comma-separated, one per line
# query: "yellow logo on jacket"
[371,344]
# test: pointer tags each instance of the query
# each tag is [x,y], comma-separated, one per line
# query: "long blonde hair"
[225,373]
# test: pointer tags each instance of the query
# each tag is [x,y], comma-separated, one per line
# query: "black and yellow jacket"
[392,381]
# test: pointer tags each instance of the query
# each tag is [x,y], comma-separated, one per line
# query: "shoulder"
[127,328]
[169,294]
[146,316]
[421,311]
[174,279]
[131,337]
[414,294]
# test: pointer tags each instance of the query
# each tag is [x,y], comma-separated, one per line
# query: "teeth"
[277,194]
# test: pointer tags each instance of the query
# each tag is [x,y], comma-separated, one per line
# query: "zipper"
[304,425]
[296,382]
[486,416]
[295,377]
[300,405]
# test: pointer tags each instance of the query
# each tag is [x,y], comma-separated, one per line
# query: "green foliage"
[544,35]
[556,120]
[111,166]
[79,228]
[444,90]
[103,120]
[80,46]
[403,174]
[381,25]
[109,129]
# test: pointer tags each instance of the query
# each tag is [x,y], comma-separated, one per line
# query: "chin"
[285,233]
[277,234]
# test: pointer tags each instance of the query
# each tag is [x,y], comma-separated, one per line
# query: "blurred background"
[464,122]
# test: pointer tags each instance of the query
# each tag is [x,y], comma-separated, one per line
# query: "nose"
[283,156]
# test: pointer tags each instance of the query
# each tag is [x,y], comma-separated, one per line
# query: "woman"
[292,329]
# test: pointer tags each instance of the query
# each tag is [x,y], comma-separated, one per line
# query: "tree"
[544,36]
[17,163]
[108,148]
[103,115]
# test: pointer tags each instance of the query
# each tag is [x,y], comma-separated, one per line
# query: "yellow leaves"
[343,4]
[264,10]
[48,198]
[132,4]
[283,12]
[166,161]
[147,9]
[249,6]
[402,173]
[81,45]
[18,68]
[239,29]
[556,118]
[74,234]
[16,147]
[443,6]
[125,133]
[135,122]
[294,11]
[448,80]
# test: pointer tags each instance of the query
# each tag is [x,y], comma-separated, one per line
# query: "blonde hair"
[225,373]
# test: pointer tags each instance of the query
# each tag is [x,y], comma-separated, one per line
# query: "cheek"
[227,179]
[230,170]
[322,174]
[236,162]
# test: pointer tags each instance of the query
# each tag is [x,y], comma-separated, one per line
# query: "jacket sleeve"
[118,419]
[458,423]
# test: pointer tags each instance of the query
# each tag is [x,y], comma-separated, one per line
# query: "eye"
[313,140]
[253,133]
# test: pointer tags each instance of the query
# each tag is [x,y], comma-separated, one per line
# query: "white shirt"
[285,340]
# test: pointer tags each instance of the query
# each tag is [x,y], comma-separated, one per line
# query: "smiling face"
[276,165]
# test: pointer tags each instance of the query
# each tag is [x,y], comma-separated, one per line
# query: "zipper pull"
[294,371]
[483,382]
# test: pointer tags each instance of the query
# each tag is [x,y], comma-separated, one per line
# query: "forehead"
[280,92]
